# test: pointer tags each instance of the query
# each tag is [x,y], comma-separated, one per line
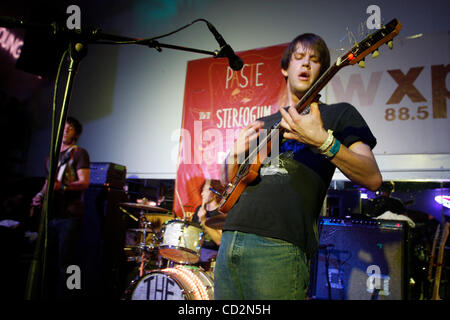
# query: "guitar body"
[440,262]
[234,189]
[240,180]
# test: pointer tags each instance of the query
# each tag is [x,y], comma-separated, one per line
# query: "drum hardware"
[143,206]
[177,245]
[141,267]
[147,236]
[128,214]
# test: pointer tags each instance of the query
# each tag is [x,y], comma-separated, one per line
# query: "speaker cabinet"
[360,260]
[102,242]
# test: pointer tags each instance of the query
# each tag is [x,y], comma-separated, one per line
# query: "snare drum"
[181,241]
[178,283]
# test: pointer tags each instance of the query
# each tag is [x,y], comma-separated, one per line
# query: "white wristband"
[327,142]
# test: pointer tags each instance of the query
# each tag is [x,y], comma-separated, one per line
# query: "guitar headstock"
[370,44]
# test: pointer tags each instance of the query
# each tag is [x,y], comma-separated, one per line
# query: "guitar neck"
[313,92]
[310,96]
[248,170]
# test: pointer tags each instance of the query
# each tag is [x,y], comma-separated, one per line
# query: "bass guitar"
[248,169]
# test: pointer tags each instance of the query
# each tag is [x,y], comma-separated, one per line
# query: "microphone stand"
[157,45]
[77,50]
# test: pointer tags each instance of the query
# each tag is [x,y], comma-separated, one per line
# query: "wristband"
[327,142]
[334,149]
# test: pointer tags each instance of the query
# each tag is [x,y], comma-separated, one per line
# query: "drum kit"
[166,250]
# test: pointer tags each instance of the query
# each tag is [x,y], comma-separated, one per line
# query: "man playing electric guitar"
[271,233]
[64,227]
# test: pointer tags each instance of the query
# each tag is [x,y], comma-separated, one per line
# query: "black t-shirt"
[70,203]
[284,201]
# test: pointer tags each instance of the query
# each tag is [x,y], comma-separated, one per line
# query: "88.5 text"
[405,114]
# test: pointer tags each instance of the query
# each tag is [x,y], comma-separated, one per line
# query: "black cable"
[139,41]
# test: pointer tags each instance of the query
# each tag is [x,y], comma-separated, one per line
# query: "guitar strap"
[66,159]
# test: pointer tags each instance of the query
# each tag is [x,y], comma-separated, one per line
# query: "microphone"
[234,61]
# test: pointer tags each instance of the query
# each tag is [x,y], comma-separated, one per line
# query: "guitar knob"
[362,64]
[391,44]
[375,54]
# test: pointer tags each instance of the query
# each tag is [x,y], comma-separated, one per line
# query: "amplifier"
[108,174]
[362,259]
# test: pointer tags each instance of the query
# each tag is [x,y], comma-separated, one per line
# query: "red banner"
[218,102]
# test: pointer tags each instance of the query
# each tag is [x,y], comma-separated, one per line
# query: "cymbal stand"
[143,225]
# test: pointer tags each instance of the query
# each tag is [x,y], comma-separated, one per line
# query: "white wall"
[130,98]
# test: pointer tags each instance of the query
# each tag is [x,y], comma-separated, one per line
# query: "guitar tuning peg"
[375,54]
[362,64]
[391,44]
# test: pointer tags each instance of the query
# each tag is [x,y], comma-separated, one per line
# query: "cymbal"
[143,207]
[216,222]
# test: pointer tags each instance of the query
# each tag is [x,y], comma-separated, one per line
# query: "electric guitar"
[248,171]
[440,259]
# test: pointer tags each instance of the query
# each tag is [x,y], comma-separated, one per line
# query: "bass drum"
[178,283]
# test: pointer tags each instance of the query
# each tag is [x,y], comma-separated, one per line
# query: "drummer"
[208,208]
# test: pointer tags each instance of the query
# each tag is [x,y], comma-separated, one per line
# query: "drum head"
[178,283]
[157,286]
[181,242]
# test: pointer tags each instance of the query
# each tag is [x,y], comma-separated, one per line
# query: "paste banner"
[218,102]
[402,94]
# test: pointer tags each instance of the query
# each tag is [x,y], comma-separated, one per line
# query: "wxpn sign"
[403,95]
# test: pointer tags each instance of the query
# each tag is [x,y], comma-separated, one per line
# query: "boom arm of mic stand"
[157,45]
[95,36]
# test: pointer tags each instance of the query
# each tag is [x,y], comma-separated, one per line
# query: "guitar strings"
[339,63]
[243,167]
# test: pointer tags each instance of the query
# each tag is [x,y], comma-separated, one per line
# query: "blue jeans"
[251,267]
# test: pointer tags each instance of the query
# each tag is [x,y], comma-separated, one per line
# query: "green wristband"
[334,149]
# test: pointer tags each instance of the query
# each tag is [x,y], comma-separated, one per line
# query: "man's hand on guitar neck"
[304,128]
